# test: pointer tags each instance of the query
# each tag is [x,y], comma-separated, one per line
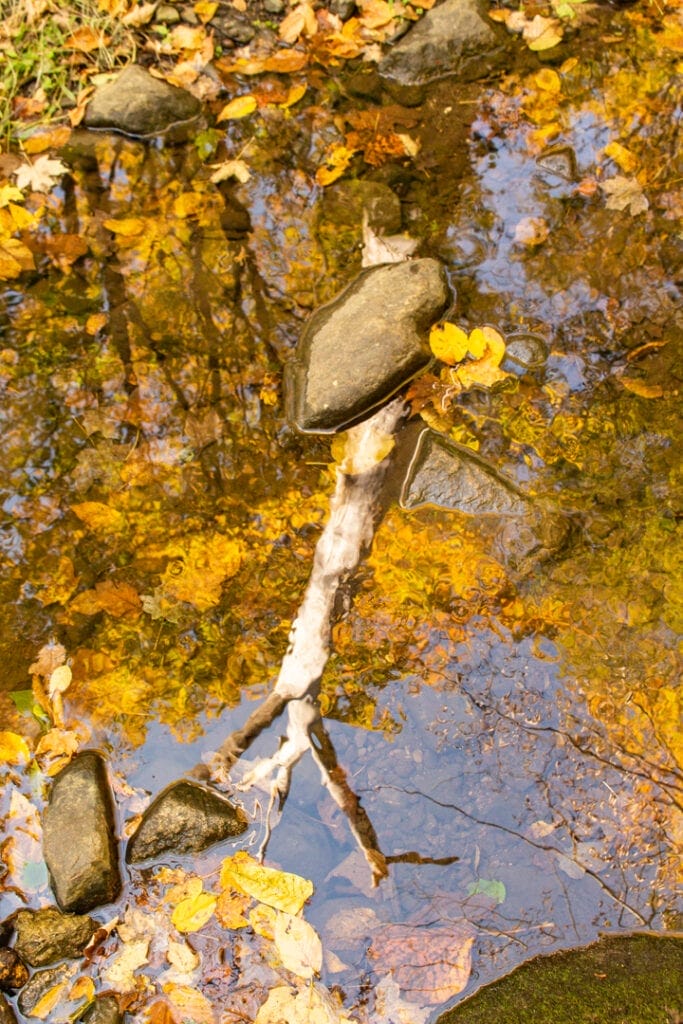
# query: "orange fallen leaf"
[241,106]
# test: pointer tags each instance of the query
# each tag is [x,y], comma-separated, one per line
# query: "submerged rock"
[135,103]
[43,982]
[47,935]
[361,348]
[455,38]
[445,474]
[184,818]
[78,836]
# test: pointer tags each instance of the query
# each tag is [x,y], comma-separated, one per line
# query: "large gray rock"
[78,836]
[184,818]
[450,476]
[45,936]
[455,38]
[361,348]
[138,104]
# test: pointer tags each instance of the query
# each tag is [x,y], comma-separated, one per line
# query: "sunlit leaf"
[205,10]
[13,748]
[86,38]
[295,93]
[623,157]
[52,138]
[624,194]
[241,106]
[192,914]
[59,681]
[298,946]
[336,162]
[129,227]
[56,748]
[448,342]
[642,388]
[542,33]
[278,889]
[10,193]
[41,175]
[120,974]
[14,258]
[193,1005]
[301,20]
[231,169]
[99,517]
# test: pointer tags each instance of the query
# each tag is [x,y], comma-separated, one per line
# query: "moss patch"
[635,979]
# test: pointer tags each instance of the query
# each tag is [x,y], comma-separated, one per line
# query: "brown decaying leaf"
[430,965]
[117,598]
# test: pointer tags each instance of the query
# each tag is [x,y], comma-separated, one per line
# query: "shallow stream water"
[508,713]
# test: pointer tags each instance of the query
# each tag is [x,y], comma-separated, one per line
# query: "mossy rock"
[635,979]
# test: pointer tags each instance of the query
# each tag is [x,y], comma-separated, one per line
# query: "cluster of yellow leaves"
[538,32]
[15,256]
[475,358]
[374,133]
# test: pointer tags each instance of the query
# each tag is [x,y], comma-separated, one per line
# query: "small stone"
[135,103]
[79,845]
[165,14]
[7,1014]
[104,1010]
[357,351]
[344,9]
[47,935]
[41,983]
[235,28]
[274,6]
[184,818]
[13,971]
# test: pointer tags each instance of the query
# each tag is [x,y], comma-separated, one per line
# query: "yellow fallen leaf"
[298,946]
[95,323]
[10,194]
[241,106]
[189,204]
[641,388]
[477,343]
[83,988]
[262,920]
[230,910]
[296,92]
[13,748]
[46,1004]
[14,258]
[128,227]
[99,517]
[448,342]
[336,162]
[205,10]
[623,158]
[548,80]
[279,889]
[192,914]
[193,1005]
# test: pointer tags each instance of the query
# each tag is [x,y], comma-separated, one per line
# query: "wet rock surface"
[445,474]
[361,348]
[41,983]
[185,818]
[78,836]
[13,971]
[105,1010]
[455,38]
[7,1014]
[138,104]
[44,936]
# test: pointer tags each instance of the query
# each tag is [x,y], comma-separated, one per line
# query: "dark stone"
[525,352]
[184,818]
[232,26]
[138,104]
[450,476]
[166,14]
[104,1010]
[455,38]
[6,930]
[7,1014]
[634,978]
[361,348]
[41,983]
[344,9]
[47,935]
[345,203]
[274,6]
[13,970]
[78,836]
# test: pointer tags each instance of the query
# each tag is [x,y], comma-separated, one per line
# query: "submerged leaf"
[192,914]
[298,945]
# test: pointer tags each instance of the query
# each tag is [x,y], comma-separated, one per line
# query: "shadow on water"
[510,724]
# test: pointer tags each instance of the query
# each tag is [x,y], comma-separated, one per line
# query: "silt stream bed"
[506,710]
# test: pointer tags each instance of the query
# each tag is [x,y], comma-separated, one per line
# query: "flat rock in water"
[78,836]
[138,104]
[45,936]
[184,818]
[447,475]
[361,348]
[455,38]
